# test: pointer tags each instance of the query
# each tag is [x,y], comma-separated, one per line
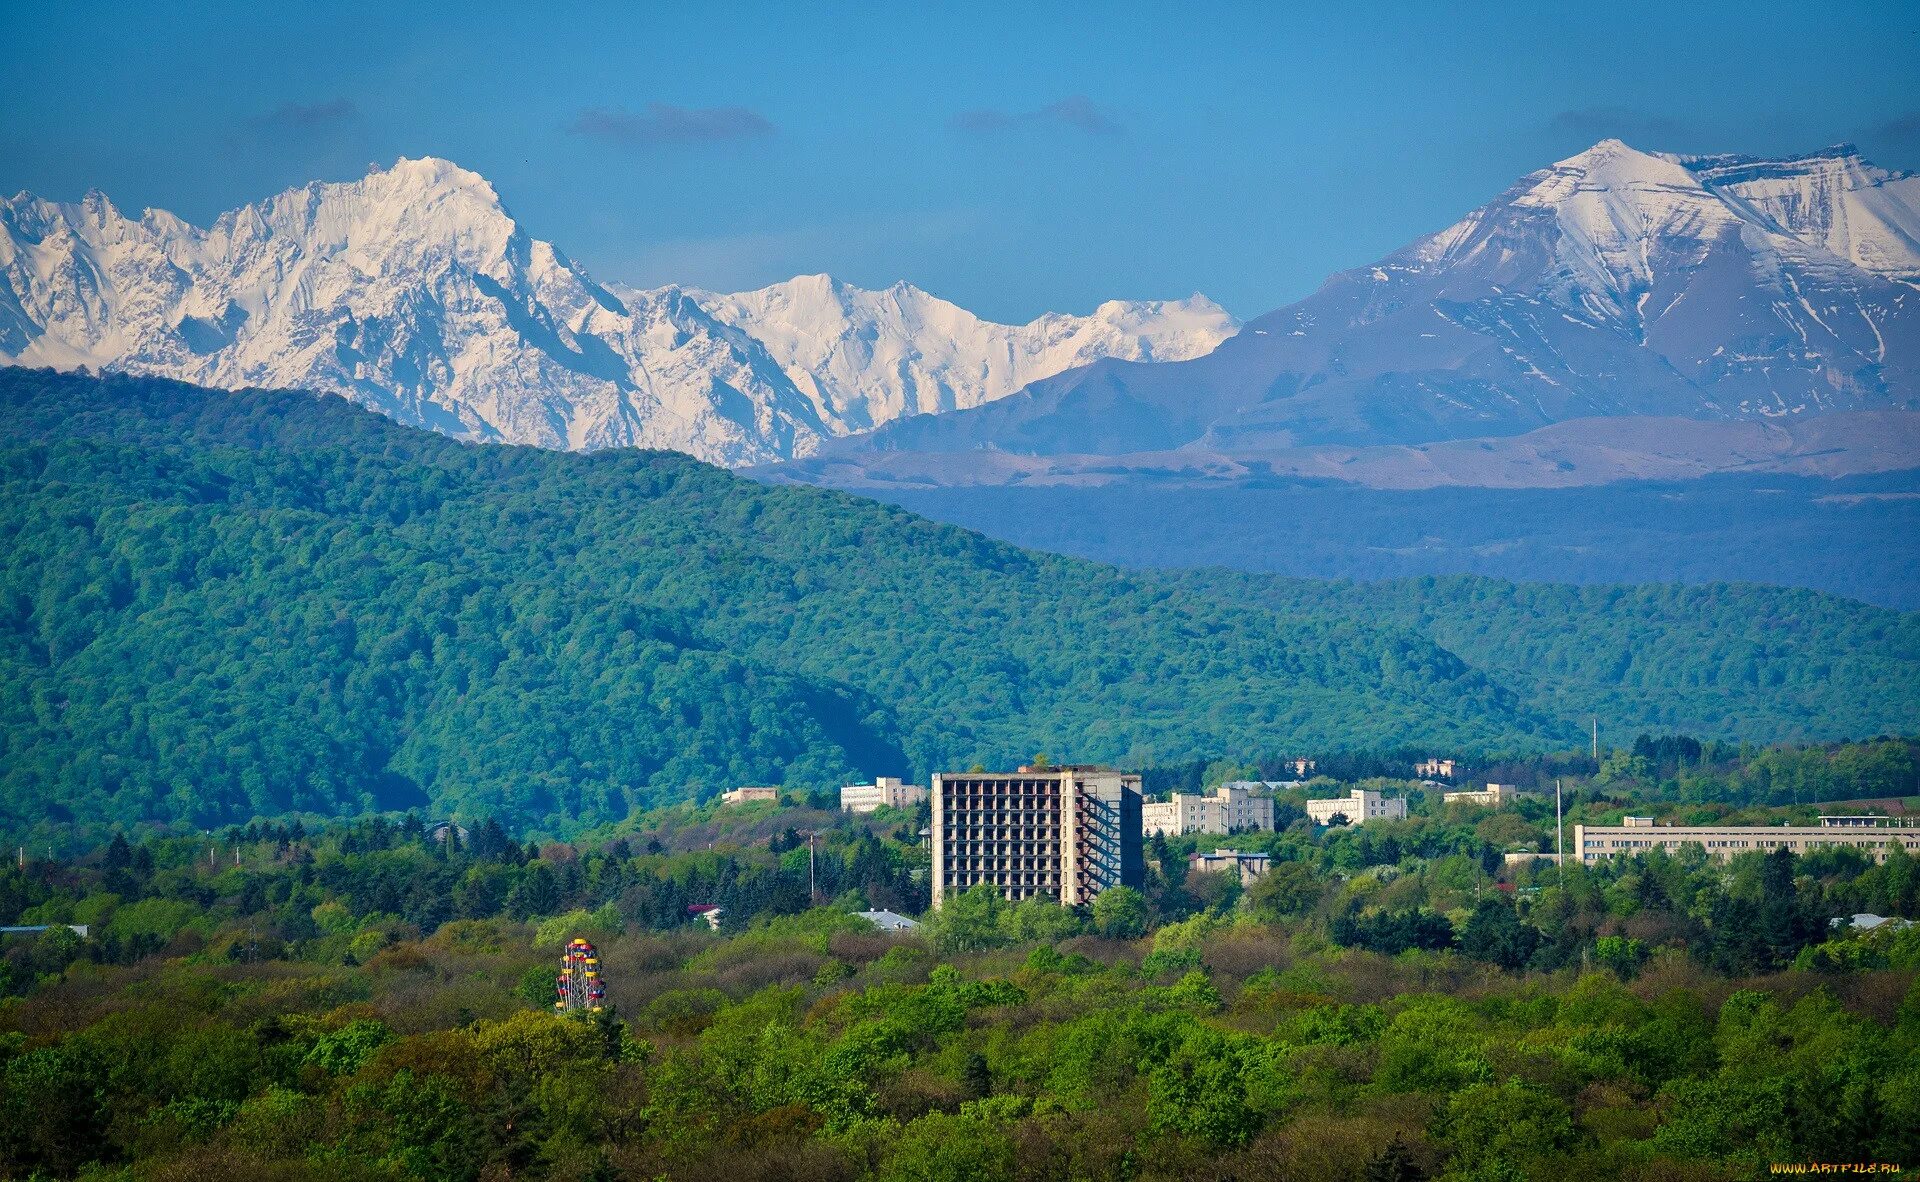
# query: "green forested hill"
[215,606]
[1736,661]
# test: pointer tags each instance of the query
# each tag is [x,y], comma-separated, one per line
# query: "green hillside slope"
[214,606]
[1733,661]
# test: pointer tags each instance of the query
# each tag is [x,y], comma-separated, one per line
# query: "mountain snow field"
[1615,283]
[414,292]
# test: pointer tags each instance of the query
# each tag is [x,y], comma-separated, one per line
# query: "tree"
[1495,934]
[1622,955]
[1785,927]
[1286,890]
[1495,1130]
[943,1148]
[971,920]
[1120,913]
[1040,919]
[1394,1164]
[976,1077]
[1201,1090]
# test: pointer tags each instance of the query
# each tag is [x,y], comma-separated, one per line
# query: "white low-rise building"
[1357,808]
[1493,796]
[884,792]
[888,921]
[1230,808]
[745,795]
[1640,835]
[1248,866]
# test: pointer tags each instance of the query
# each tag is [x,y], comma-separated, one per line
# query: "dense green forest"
[371,1000]
[216,607]
[1731,661]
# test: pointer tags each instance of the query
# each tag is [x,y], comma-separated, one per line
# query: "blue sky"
[1015,158]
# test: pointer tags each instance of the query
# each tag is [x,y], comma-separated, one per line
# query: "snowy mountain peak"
[413,290]
[1834,199]
[1615,282]
[867,357]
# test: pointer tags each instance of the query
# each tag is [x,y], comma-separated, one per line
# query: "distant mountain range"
[1614,284]
[1630,367]
[1619,318]
[414,292]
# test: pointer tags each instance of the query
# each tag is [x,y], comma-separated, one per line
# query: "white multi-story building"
[1357,808]
[1639,835]
[1434,769]
[1230,808]
[1492,796]
[884,792]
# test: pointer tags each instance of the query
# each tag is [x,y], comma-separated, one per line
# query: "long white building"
[1639,835]
[1493,796]
[884,792]
[1227,809]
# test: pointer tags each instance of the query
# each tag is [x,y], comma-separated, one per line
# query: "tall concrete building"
[1228,809]
[1064,833]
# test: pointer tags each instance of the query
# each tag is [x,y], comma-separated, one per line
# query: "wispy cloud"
[664,123]
[1075,111]
[1903,130]
[1643,129]
[308,117]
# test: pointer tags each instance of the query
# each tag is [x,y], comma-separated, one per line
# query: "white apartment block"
[884,792]
[1358,807]
[1434,769]
[1639,835]
[1228,809]
[1493,796]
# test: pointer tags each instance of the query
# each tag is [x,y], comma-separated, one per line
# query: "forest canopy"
[216,607]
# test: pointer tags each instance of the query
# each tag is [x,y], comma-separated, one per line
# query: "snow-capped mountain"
[1616,282]
[867,357]
[414,292]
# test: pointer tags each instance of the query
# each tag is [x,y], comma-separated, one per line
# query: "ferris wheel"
[579,988]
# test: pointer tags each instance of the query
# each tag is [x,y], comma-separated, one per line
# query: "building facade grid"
[1065,834]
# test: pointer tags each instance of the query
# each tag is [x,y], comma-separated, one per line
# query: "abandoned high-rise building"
[1064,833]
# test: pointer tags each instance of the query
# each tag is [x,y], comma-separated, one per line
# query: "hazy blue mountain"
[1857,536]
[1526,393]
[1614,283]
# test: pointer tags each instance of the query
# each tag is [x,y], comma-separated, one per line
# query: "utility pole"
[813,892]
[1596,740]
[1559,847]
